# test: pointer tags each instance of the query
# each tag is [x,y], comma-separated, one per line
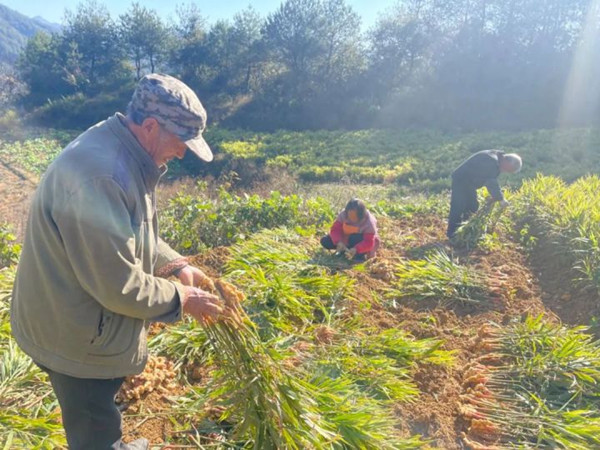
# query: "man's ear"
[150,126]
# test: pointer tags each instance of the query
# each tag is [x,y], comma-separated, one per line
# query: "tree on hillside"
[506,62]
[189,33]
[471,64]
[222,63]
[318,48]
[294,33]
[93,35]
[46,69]
[232,52]
[11,88]
[400,47]
[145,37]
[317,41]
[247,41]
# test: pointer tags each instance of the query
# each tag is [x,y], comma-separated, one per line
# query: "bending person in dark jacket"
[480,169]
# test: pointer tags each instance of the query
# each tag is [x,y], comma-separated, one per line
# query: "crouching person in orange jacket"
[354,232]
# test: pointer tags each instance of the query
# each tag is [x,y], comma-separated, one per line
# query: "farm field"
[485,342]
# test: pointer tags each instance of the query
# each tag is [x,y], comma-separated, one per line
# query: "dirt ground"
[516,290]
[16,189]
[519,285]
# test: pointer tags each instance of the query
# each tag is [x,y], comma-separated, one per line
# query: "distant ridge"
[15,29]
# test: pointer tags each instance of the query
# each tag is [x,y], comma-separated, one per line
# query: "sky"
[53,10]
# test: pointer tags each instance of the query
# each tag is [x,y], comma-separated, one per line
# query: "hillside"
[15,29]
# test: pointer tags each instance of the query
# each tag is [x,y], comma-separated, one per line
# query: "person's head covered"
[356,210]
[511,163]
[175,107]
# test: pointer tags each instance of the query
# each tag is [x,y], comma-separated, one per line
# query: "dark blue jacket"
[481,169]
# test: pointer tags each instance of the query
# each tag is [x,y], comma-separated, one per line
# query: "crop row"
[419,159]
[563,220]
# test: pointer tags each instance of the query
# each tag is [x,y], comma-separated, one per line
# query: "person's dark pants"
[89,414]
[463,203]
[353,241]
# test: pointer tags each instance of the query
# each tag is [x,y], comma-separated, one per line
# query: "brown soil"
[16,188]
[514,291]
[573,303]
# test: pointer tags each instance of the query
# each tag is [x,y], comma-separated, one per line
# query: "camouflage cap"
[175,107]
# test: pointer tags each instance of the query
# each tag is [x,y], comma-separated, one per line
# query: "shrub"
[191,223]
[9,249]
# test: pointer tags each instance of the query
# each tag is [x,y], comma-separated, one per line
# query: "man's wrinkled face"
[161,145]
[167,146]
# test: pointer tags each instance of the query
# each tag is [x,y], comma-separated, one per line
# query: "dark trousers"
[353,240]
[463,203]
[89,414]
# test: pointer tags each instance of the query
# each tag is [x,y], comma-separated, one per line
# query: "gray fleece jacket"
[89,278]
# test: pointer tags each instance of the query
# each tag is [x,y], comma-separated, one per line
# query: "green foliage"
[417,160]
[343,387]
[565,219]
[438,277]
[27,417]
[546,392]
[9,249]
[240,149]
[31,155]
[185,342]
[93,59]
[145,36]
[41,67]
[7,277]
[9,121]
[479,230]
[411,206]
[308,65]
[270,407]
[559,363]
[193,223]
[79,111]
[287,291]
[378,361]
[344,170]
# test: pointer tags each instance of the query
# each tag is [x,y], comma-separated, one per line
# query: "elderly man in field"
[480,169]
[93,271]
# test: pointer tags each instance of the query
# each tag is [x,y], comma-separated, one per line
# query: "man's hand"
[201,305]
[341,247]
[351,252]
[192,276]
[504,203]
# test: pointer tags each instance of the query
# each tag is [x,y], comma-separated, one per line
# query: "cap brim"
[200,148]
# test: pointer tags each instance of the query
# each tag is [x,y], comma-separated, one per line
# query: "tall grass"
[314,353]
[480,229]
[440,277]
[28,417]
[545,392]
[9,248]
[564,219]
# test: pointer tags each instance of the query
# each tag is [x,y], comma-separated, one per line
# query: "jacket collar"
[150,171]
